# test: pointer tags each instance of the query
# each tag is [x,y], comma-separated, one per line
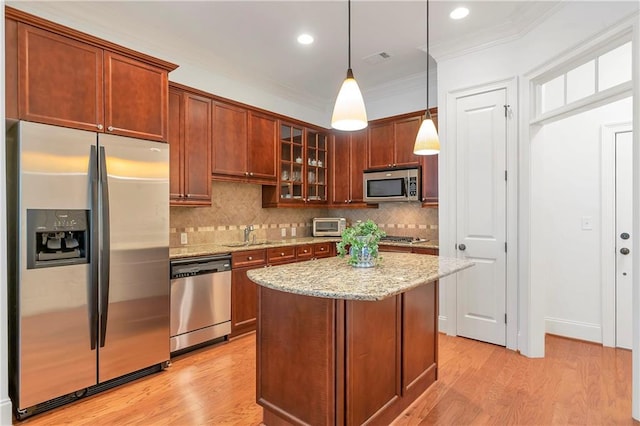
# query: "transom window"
[601,73]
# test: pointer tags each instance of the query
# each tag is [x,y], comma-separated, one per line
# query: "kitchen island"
[343,345]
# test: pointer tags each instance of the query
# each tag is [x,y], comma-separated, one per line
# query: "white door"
[481,215]
[624,238]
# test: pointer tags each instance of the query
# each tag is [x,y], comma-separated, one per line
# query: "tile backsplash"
[236,205]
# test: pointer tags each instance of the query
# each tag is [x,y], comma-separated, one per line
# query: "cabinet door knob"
[246,173]
[110,128]
[305,251]
[321,248]
[250,258]
[99,126]
[250,173]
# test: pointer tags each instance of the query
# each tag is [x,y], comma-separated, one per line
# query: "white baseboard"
[443,325]
[6,414]
[574,329]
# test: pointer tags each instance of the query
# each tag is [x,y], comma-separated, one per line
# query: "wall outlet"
[283,232]
[293,232]
[183,238]
[587,223]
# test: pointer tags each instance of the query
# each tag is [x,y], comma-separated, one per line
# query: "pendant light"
[427,141]
[349,112]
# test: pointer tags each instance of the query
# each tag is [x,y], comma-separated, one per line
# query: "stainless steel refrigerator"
[88,224]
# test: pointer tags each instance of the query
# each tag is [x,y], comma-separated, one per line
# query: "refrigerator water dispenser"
[57,237]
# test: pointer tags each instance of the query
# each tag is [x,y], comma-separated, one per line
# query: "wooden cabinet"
[244,145]
[262,148]
[394,357]
[229,153]
[425,250]
[71,79]
[279,255]
[391,142]
[430,172]
[244,292]
[348,161]
[391,248]
[302,168]
[190,147]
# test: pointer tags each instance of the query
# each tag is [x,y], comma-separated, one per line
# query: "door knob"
[624,235]
[624,250]
[462,247]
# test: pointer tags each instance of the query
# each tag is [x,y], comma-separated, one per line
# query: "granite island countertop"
[222,248]
[333,278]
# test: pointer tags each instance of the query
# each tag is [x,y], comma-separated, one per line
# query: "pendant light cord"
[349,32]
[428,113]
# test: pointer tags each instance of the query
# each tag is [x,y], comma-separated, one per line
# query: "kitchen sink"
[248,244]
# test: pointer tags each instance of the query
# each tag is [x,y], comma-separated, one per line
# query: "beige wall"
[236,205]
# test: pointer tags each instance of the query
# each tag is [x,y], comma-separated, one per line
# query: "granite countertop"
[221,248]
[333,278]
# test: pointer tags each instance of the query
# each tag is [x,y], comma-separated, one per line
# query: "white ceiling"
[255,41]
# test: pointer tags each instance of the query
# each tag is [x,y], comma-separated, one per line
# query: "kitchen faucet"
[247,233]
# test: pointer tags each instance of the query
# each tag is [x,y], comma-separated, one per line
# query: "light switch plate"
[283,232]
[587,223]
[183,238]
[293,232]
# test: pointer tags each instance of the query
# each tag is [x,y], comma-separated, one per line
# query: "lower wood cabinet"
[244,292]
[351,362]
[406,249]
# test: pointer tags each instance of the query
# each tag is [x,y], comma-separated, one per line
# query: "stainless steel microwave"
[391,185]
[329,226]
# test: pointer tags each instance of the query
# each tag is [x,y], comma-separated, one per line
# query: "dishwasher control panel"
[182,268]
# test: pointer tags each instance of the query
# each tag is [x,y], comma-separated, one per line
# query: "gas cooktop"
[398,239]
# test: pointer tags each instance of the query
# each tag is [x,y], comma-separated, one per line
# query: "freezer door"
[52,308]
[134,283]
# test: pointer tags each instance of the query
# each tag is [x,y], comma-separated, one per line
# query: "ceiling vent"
[376,58]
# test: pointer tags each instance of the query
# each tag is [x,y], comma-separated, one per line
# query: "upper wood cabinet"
[348,160]
[302,168]
[190,148]
[244,144]
[391,142]
[71,79]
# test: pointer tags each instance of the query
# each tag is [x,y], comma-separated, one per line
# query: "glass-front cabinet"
[317,166]
[291,162]
[302,178]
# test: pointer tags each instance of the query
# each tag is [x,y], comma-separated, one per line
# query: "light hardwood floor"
[576,383]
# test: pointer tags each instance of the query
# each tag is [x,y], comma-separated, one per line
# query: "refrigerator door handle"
[95,246]
[106,248]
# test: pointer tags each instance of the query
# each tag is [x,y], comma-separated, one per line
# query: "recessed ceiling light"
[459,13]
[305,39]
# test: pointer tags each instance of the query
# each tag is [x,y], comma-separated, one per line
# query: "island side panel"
[372,352]
[420,339]
[296,358]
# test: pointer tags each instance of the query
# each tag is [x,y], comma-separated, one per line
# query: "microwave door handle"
[405,189]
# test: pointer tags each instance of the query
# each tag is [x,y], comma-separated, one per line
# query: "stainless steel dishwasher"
[200,301]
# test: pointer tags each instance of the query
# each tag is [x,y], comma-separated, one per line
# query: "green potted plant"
[362,238]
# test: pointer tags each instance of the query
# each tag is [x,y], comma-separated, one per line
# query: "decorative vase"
[364,258]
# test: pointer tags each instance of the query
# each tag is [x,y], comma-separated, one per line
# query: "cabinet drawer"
[304,251]
[426,250]
[390,248]
[281,254]
[248,258]
[322,249]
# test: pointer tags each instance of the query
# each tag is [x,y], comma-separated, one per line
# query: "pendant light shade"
[349,112]
[427,140]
